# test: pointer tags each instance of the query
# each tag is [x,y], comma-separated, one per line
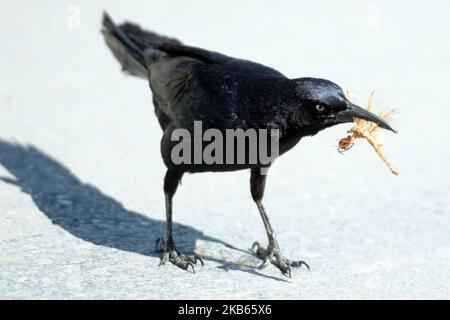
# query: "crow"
[191,85]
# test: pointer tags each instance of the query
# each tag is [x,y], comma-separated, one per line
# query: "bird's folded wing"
[176,50]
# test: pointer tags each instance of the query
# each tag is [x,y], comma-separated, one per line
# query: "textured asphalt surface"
[81,200]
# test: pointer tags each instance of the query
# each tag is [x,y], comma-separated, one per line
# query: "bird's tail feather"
[131,45]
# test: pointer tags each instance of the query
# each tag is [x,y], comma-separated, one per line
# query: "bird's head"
[325,105]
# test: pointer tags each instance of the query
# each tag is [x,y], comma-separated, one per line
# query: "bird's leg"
[272,252]
[167,245]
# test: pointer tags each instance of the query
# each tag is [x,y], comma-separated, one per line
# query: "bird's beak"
[353,111]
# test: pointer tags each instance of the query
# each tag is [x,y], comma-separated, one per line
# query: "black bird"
[192,84]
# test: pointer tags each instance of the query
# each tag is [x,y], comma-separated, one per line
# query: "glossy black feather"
[192,84]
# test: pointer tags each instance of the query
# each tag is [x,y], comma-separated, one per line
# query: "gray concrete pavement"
[80,191]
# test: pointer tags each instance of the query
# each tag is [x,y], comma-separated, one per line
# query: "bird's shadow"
[84,211]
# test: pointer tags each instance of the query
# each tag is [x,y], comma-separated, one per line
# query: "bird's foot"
[171,254]
[272,254]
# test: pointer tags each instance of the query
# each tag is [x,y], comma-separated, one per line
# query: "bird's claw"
[272,254]
[264,264]
[171,254]
[299,263]
[197,258]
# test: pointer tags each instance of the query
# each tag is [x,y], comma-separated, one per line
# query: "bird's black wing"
[190,83]
[234,94]
[193,84]
[211,57]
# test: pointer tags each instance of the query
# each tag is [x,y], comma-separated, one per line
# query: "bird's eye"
[320,108]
